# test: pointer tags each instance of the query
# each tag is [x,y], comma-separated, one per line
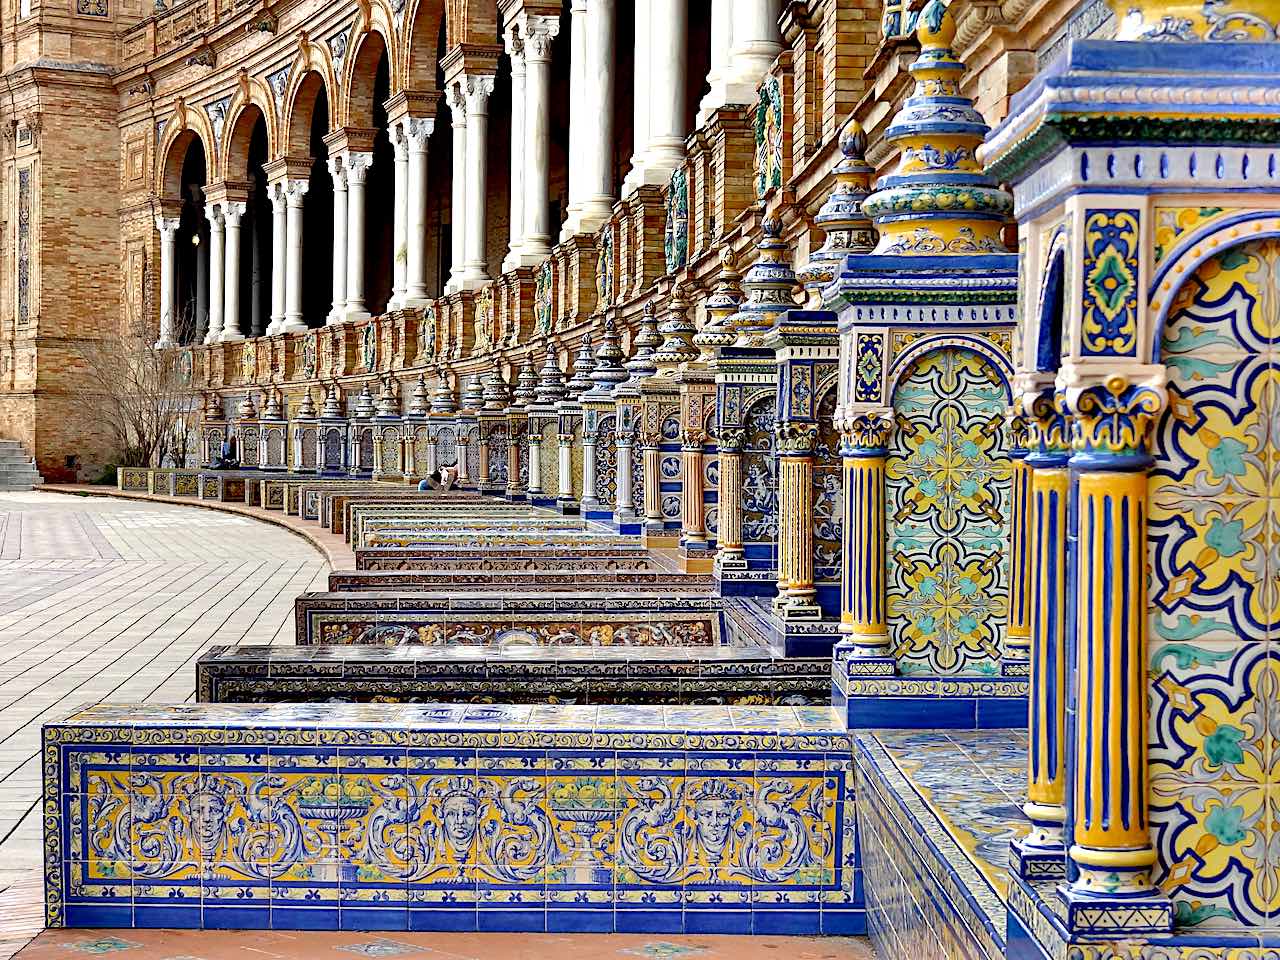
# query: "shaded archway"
[191,249]
[308,125]
[247,154]
[370,89]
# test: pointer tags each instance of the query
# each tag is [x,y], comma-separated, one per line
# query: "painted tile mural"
[947,491]
[455,820]
[1215,680]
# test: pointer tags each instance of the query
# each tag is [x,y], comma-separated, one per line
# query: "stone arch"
[471,21]
[235,151]
[174,145]
[419,50]
[308,81]
[361,72]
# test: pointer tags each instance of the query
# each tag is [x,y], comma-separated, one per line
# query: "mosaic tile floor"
[198,945]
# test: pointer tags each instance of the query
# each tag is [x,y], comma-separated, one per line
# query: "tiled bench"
[451,817]
[667,675]
[627,582]
[454,557]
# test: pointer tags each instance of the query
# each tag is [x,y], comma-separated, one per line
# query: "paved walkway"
[107,599]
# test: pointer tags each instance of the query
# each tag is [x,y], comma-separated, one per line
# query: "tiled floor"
[194,945]
[114,599]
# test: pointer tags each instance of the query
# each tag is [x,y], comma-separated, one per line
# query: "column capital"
[337,170]
[864,432]
[1113,421]
[357,166]
[233,210]
[276,193]
[417,130]
[295,190]
[479,87]
[213,213]
[513,44]
[168,226]
[538,32]
[455,99]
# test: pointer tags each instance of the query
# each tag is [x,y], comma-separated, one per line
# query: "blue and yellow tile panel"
[870,702]
[451,817]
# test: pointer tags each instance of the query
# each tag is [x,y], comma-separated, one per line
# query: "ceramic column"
[1041,854]
[217,260]
[232,212]
[796,598]
[1017,644]
[730,554]
[539,33]
[338,171]
[640,104]
[515,214]
[357,165]
[535,462]
[168,228]
[651,457]
[279,254]
[624,498]
[589,501]
[1112,889]
[464,465]
[295,191]
[596,142]
[566,467]
[400,216]
[513,462]
[476,268]
[457,103]
[483,479]
[863,619]
[417,131]
[693,520]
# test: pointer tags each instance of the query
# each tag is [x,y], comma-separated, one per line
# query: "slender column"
[668,72]
[1041,854]
[417,132]
[232,212]
[217,260]
[566,467]
[168,227]
[579,98]
[457,103]
[256,270]
[596,144]
[624,499]
[513,461]
[201,326]
[652,460]
[539,32]
[721,49]
[338,171]
[432,451]
[400,216]
[476,268]
[863,620]
[796,593]
[464,466]
[535,462]
[295,190]
[693,519]
[483,479]
[640,101]
[1111,890]
[730,554]
[1017,642]
[515,215]
[279,254]
[757,42]
[358,165]
[589,501]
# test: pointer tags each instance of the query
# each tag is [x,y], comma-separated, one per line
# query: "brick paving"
[108,599]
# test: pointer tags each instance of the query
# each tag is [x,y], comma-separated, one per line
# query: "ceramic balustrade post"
[589,472]
[1042,854]
[463,446]
[624,495]
[693,520]
[1111,891]
[566,467]
[652,460]
[535,462]
[483,479]
[797,596]
[730,553]
[864,451]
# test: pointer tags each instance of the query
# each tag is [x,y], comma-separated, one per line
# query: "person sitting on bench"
[442,478]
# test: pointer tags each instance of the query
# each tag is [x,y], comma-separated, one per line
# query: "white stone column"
[668,75]
[457,103]
[539,33]
[217,248]
[579,105]
[294,191]
[624,500]
[566,466]
[597,125]
[168,227]
[357,165]
[417,132]
[232,211]
[475,271]
[641,100]
[200,324]
[757,41]
[515,216]
[338,171]
[721,51]
[279,254]
[400,216]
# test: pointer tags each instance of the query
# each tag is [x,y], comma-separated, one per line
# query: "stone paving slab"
[108,598]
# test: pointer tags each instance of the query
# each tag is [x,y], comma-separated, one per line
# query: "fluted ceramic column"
[168,228]
[232,212]
[624,497]
[796,592]
[668,75]
[651,457]
[476,268]
[640,102]
[417,131]
[295,191]
[539,33]
[338,171]
[693,516]
[589,501]
[566,467]
[279,255]
[217,260]
[1112,889]
[357,165]
[457,103]
[730,554]
[515,214]
[513,462]
[579,98]
[597,138]
[863,620]
[1017,643]
[1041,854]
[400,215]
[535,463]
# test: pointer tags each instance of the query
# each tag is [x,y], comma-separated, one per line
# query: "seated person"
[442,478]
